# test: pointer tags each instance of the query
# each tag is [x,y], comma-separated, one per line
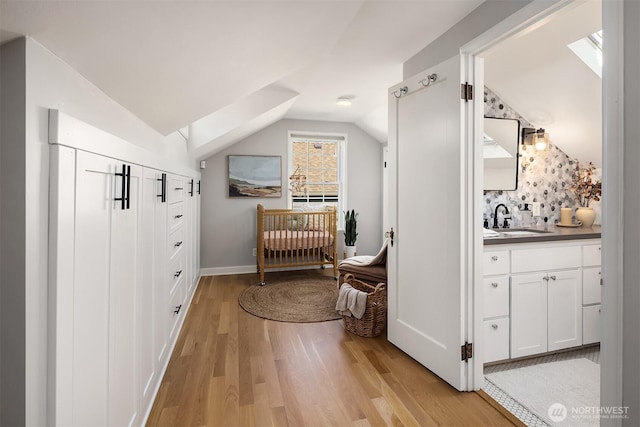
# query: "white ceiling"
[541,78]
[248,63]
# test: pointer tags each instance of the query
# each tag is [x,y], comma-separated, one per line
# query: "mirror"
[501,142]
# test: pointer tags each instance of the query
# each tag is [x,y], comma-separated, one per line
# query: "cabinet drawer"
[177,188]
[542,259]
[496,339]
[495,262]
[175,242]
[496,296]
[176,272]
[591,286]
[175,310]
[176,216]
[591,324]
[591,255]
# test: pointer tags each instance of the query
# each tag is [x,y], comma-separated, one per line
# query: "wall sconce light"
[537,138]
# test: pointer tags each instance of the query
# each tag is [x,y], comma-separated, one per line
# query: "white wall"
[228,227]
[51,83]
[631,205]
[485,16]
[12,229]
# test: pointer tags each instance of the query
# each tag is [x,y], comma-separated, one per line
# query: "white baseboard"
[250,269]
[219,271]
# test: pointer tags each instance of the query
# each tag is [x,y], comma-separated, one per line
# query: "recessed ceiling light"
[345,101]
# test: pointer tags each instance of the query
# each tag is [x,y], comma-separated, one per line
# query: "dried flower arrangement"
[585,185]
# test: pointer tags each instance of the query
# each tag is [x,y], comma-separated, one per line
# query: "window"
[316,171]
[589,50]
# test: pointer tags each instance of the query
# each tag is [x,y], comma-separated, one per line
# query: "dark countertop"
[552,233]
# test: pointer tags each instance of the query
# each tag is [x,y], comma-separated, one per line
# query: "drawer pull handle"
[177,244]
[494,284]
[553,277]
[179,188]
[177,310]
[178,216]
[494,326]
[177,273]
[494,258]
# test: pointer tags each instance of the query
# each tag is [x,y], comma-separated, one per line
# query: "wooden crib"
[288,238]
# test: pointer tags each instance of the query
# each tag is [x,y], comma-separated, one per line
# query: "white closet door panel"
[125,278]
[93,212]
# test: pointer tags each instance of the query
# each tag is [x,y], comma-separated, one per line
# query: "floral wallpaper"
[543,176]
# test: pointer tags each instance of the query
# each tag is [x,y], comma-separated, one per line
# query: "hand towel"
[351,301]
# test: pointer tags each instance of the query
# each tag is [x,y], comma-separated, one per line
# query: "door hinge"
[466,351]
[466,92]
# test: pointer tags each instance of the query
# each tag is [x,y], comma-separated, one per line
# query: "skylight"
[589,50]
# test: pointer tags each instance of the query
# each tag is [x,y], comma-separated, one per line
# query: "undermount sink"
[523,232]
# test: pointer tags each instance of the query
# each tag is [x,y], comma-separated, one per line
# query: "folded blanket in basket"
[366,260]
[351,301]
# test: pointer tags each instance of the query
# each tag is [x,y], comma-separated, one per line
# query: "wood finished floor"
[230,368]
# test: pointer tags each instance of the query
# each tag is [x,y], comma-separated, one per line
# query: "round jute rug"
[294,299]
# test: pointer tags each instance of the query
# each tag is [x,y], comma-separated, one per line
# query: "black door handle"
[129,187]
[163,190]
[123,187]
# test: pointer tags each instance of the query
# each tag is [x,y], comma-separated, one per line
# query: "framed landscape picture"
[255,176]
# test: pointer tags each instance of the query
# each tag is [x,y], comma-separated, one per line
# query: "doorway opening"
[535,77]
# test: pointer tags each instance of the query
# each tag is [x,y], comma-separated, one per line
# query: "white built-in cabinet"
[591,293]
[105,282]
[125,238]
[540,297]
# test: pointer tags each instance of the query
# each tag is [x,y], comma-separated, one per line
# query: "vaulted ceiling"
[542,79]
[230,68]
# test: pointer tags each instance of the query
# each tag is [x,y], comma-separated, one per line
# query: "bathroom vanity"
[541,290]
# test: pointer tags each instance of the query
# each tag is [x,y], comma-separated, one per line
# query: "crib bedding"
[289,240]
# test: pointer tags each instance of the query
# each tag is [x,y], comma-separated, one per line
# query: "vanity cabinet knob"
[494,284]
[553,277]
[494,326]
[494,258]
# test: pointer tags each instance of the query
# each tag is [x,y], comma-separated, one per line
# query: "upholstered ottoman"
[369,269]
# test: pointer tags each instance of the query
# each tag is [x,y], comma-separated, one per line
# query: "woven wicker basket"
[374,319]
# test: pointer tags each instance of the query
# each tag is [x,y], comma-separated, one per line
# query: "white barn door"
[428,189]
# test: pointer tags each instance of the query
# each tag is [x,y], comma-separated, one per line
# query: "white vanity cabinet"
[495,289]
[547,300]
[547,308]
[591,291]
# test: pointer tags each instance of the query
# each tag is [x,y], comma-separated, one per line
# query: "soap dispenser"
[527,215]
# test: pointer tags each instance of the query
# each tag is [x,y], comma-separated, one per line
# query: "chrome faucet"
[506,217]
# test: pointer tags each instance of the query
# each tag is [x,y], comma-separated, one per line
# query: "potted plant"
[350,234]
[588,188]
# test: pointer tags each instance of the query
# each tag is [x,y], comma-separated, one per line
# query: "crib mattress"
[287,240]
